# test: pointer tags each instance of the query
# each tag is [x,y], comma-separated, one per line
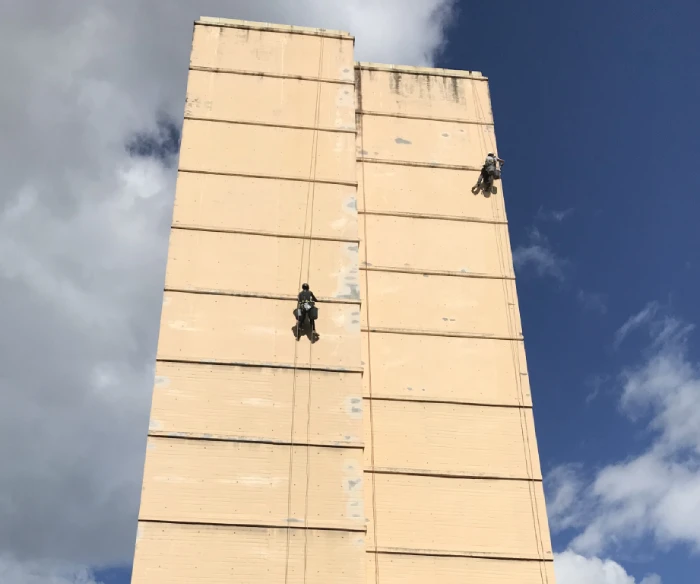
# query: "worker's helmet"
[304,286]
[490,154]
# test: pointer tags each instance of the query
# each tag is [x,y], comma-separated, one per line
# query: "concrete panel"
[265,205]
[257,403]
[479,371]
[203,327]
[277,53]
[248,483]
[439,304]
[425,141]
[451,440]
[270,100]
[178,554]
[427,244]
[260,264]
[494,518]
[391,188]
[430,96]
[411,569]
[266,151]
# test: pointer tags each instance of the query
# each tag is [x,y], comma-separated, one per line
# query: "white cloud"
[572,568]
[83,238]
[654,494]
[539,255]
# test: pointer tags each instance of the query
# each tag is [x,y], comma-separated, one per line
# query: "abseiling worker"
[492,168]
[305,307]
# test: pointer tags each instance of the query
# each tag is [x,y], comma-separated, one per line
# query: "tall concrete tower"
[400,447]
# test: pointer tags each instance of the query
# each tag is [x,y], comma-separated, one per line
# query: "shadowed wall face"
[254,463]
[400,447]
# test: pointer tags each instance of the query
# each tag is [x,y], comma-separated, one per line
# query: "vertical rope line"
[308,274]
[369,336]
[510,296]
[310,193]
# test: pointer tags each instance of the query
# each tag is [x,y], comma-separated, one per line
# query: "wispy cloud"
[43,572]
[552,215]
[635,321]
[655,494]
[539,256]
[596,384]
[593,301]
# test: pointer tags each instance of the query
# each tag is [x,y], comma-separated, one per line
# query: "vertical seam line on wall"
[360,129]
[510,295]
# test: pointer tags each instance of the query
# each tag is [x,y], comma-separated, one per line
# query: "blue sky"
[596,109]
[596,114]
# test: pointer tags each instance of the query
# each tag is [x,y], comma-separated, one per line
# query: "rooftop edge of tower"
[433,71]
[323,32]
[270,27]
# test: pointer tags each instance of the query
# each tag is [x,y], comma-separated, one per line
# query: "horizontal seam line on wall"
[253,525]
[190,227]
[291,30]
[447,402]
[438,554]
[261,364]
[397,331]
[420,271]
[237,294]
[423,118]
[417,164]
[270,125]
[426,473]
[433,217]
[272,75]
[427,71]
[272,177]
[242,440]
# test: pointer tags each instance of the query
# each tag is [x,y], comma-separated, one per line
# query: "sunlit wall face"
[398,444]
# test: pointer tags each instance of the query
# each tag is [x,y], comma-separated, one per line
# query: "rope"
[308,218]
[308,274]
[508,290]
[369,349]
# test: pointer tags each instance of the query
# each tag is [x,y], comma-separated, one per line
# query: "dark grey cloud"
[161,143]
[91,99]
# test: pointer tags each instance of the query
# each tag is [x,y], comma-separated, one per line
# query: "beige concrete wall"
[242,483]
[402,568]
[226,262]
[265,206]
[463,370]
[254,465]
[257,404]
[453,485]
[214,96]
[406,243]
[182,554]
[401,446]
[409,184]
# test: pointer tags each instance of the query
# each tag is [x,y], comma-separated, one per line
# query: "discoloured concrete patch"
[154,425]
[162,381]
